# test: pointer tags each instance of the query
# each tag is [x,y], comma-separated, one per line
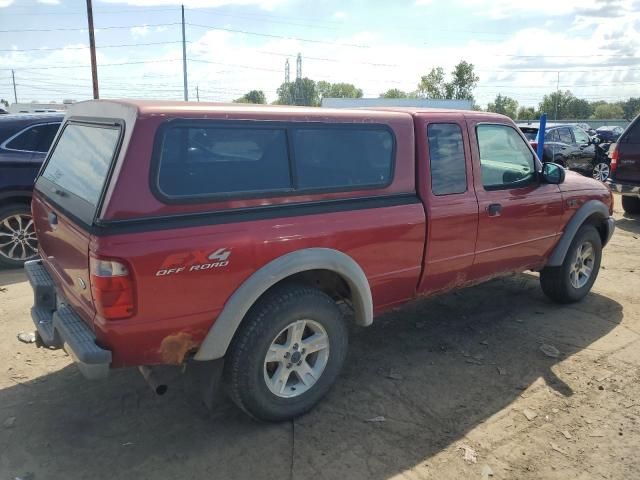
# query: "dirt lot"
[463,373]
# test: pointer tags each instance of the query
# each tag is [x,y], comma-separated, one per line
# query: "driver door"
[519,217]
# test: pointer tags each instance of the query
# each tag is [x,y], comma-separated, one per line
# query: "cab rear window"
[78,167]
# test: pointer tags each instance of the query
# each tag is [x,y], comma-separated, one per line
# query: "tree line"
[458,85]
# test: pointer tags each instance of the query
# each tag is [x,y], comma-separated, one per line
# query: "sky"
[521,49]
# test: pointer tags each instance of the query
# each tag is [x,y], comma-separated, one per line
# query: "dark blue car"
[24,143]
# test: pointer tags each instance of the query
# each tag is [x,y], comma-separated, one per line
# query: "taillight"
[534,145]
[112,288]
[615,155]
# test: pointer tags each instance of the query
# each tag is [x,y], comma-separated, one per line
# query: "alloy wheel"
[582,267]
[296,358]
[18,238]
[601,171]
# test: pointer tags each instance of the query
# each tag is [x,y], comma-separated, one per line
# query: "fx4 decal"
[194,260]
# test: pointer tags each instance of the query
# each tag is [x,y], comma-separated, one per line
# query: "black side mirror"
[552,173]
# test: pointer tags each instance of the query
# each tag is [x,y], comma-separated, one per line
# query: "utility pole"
[15,95]
[298,100]
[197,93]
[287,79]
[92,50]
[557,96]
[184,60]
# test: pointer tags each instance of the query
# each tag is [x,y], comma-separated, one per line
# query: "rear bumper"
[632,189]
[59,326]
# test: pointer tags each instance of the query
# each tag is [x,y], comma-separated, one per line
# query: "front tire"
[17,236]
[287,353]
[601,171]
[573,280]
[631,204]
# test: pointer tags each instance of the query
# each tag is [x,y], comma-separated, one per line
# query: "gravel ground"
[459,386]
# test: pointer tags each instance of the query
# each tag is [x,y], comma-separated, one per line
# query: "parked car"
[203,232]
[571,147]
[625,167]
[24,142]
[609,134]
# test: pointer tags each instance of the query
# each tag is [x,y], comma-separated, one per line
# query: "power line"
[114,27]
[86,46]
[270,35]
[47,67]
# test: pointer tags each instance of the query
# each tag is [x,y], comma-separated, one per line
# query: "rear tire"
[277,367]
[631,204]
[573,280]
[17,236]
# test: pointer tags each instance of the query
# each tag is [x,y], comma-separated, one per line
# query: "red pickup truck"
[190,232]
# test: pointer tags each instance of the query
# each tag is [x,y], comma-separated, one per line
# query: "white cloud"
[49,2]
[422,3]
[5,3]
[509,8]
[142,31]
[264,4]
[340,15]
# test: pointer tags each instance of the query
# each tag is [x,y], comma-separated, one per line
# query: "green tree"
[504,105]
[527,113]
[433,84]
[4,102]
[254,96]
[608,111]
[631,108]
[463,82]
[338,90]
[558,101]
[395,93]
[298,92]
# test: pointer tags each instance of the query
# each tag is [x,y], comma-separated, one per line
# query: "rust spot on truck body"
[174,348]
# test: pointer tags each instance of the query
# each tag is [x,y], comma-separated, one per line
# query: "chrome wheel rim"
[296,358]
[582,266]
[18,238]
[601,172]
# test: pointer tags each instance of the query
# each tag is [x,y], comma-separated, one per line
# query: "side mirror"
[552,173]
[595,140]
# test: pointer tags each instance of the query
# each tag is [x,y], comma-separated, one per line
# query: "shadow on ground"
[447,351]
[9,277]
[629,223]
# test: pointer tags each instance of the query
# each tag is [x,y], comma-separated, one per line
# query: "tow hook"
[152,381]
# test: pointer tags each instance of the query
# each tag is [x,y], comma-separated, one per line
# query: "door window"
[552,136]
[505,158]
[446,159]
[581,136]
[37,138]
[565,135]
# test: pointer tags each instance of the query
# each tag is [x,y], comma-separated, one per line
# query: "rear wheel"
[631,204]
[287,354]
[573,280]
[601,171]
[17,236]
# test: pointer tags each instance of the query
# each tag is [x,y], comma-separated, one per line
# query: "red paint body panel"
[190,301]
[432,244]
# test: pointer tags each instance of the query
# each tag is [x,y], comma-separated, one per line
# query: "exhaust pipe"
[152,381]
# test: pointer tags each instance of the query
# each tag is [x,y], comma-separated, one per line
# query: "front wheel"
[17,236]
[287,354]
[601,171]
[573,280]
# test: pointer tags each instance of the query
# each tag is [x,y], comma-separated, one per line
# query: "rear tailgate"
[628,168]
[67,195]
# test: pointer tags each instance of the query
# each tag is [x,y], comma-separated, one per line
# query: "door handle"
[53,219]
[494,209]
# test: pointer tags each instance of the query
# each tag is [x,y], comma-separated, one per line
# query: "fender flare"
[224,328]
[585,211]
